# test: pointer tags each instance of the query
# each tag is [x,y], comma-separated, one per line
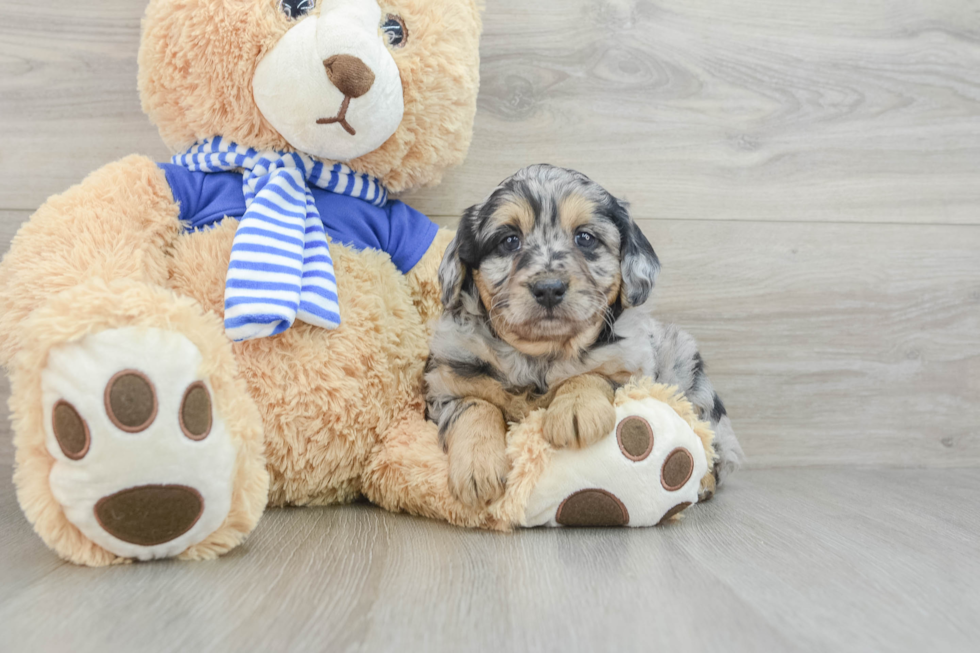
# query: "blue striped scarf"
[280,267]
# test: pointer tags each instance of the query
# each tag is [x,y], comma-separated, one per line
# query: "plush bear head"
[387,86]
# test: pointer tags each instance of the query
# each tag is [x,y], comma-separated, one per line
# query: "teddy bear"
[246,326]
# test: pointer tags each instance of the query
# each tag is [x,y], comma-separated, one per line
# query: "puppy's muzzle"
[549,292]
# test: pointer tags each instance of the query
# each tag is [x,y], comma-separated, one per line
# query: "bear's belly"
[325,395]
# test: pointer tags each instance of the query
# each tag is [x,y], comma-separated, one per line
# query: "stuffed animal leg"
[135,437]
[651,467]
[648,469]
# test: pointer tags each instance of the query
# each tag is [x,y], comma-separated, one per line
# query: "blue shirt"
[206,198]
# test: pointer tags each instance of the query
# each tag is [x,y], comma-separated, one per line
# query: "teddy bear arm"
[409,472]
[119,223]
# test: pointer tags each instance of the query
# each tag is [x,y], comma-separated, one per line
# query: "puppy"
[544,289]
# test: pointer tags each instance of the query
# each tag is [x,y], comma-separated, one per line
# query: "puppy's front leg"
[475,437]
[581,413]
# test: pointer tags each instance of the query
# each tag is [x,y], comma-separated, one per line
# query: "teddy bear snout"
[349,74]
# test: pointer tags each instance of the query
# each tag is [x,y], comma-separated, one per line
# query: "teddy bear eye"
[296,8]
[394,30]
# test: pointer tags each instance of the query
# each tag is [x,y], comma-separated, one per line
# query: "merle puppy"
[544,289]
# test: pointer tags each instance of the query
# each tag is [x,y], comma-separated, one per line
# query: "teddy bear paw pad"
[642,474]
[143,461]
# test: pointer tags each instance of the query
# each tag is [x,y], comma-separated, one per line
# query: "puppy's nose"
[349,74]
[549,292]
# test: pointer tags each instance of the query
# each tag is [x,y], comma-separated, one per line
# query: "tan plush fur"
[318,416]
[325,396]
[119,223]
[531,453]
[94,306]
[423,280]
[192,89]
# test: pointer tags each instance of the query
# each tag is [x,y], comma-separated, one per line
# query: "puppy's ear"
[452,273]
[640,265]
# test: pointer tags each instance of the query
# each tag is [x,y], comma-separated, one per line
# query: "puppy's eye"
[585,240]
[510,244]
[296,8]
[394,30]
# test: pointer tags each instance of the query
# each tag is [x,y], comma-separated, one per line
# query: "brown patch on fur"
[514,406]
[486,295]
[708,486]
[641,388]
[612,293]
[518,337]
[582,412]
[574,210]
[615,371]
[558,348]
[516,213]
[477,447]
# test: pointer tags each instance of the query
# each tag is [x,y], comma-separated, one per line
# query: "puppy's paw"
[579,420]
[478,475]
[646,471]
[707,488]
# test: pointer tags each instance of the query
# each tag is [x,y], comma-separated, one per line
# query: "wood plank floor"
[748,109]
[783,560]
[833,343]
[810,177]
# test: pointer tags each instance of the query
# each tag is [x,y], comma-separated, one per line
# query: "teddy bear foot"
[645,472]
[144,464]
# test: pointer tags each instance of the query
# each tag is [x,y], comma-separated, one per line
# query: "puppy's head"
[547,257]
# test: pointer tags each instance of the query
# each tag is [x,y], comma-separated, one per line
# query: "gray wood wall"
[809,174]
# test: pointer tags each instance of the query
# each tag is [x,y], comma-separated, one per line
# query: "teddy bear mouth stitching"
[341,117]
[353,78]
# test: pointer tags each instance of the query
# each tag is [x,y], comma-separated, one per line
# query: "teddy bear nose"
[349,74]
